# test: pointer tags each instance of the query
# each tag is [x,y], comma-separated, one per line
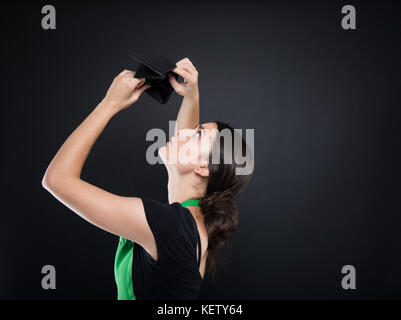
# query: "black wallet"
[154,68]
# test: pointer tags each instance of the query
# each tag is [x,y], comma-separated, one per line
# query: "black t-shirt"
[175,274]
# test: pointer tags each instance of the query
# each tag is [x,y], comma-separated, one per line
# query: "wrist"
[193,98]
[108,107]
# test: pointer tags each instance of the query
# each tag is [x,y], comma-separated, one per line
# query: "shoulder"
[156,207]
[171,227]
[169,221]
[163,218]
[174,210]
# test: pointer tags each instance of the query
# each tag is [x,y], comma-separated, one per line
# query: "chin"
[162,153]
[164,156]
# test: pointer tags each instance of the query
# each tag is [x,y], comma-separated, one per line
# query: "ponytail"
[218,205]
[221,219]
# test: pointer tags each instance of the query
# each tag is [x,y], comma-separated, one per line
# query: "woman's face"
[189,149]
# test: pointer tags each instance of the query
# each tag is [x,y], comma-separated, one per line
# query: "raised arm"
[188,116]
[122,216]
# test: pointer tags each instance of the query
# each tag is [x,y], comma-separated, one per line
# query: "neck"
[184,187]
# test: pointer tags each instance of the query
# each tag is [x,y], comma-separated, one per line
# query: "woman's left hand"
[124,91]
[188,88]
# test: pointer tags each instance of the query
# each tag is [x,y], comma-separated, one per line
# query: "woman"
[164,249]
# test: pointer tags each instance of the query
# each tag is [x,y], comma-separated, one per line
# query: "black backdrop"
[324,103]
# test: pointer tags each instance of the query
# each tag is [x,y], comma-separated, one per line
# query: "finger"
[129,81]
[183,73]
[124,72]
[182,60]
[185,60]
[142,89]
[129,73]
[136,82]
[188,64]
[137,93]
[191,65]
[186,67]
[139,82]
[178,87]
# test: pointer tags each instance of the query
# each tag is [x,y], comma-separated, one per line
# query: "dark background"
[324,103]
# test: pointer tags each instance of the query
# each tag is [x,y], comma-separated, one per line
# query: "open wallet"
[154,68]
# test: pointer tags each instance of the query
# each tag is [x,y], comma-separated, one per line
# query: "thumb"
[142,89]
[175,84]
[137,93]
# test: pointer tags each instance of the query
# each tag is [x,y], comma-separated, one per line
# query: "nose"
[185,133]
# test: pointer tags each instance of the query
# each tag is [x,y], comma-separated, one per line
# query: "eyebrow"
[200,126]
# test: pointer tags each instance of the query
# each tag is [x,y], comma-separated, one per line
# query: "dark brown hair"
[218,205]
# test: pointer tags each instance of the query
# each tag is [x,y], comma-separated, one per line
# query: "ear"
[202,170]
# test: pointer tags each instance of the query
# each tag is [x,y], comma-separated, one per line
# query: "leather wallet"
[154,68]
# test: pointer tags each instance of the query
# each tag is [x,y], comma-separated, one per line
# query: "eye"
[200,133]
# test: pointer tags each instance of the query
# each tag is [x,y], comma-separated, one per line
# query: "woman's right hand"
[188,88]
[124,90]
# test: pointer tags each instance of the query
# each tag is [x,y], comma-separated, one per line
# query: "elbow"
[46,182]
[49,181]
[56,182]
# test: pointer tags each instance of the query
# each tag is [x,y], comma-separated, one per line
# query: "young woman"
[164,249]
